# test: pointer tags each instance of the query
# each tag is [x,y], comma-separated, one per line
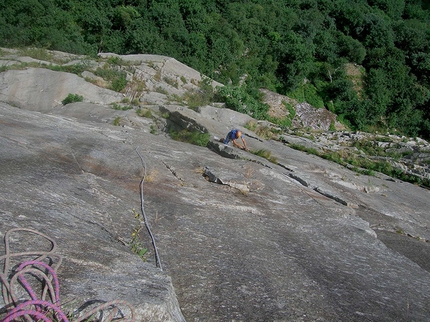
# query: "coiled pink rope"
[47,308]
[19,310]
[20,272]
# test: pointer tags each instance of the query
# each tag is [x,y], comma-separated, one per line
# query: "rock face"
[239,237]
[67,180]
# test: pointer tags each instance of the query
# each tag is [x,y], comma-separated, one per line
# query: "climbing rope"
[48,307]
[142,206]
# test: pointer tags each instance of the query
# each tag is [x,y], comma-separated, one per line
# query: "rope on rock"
[47,308]
[142,206]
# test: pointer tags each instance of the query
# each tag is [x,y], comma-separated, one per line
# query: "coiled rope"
[142,206]
[47,308]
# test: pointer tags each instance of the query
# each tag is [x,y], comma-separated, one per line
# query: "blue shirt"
[231,136]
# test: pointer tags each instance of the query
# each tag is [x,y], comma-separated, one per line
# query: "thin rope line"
[145,220]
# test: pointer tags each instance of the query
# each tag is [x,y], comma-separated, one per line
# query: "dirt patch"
[355,74]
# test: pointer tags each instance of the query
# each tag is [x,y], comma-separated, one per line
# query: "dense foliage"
[366,60]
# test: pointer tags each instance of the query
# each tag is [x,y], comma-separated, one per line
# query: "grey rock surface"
[42,89]
[74,183]
[240,238]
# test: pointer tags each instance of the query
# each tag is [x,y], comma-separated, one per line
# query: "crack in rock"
[285,167]
[215,179]
[173,171]
[300,180]
[331,196]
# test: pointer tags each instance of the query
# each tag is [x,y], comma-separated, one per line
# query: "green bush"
[116,77]
[244,99]
[119,83]
[72,98]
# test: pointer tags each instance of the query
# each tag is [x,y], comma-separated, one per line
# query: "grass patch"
[290,108]
[157,76]
[264,132]
[37,53]
[176,98]
[265,154]
[251,125]
[117,78]
[117,107]
[143,112]
[76,69]
[153,129]
[117,121]
[193,137]
[308,93]
[115,60]
[171,82]
[162,90]
[372,148]
[202,96]
[287,121]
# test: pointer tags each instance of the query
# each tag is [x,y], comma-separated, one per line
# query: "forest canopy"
[312,50]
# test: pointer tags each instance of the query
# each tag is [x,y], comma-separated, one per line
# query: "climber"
[233,135]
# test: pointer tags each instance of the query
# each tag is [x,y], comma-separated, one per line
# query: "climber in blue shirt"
[233,135]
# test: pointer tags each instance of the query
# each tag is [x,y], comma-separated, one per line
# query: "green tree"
[295,58]
[378,94]
[377,31]
[393,8]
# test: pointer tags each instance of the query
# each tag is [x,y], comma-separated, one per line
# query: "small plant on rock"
[117,121]
[202,96]
[118,107]
[72,98]
[135,244]
[144,113]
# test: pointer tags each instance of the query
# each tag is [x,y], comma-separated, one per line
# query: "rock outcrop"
[241,237]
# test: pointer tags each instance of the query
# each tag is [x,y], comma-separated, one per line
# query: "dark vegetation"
[366,60]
